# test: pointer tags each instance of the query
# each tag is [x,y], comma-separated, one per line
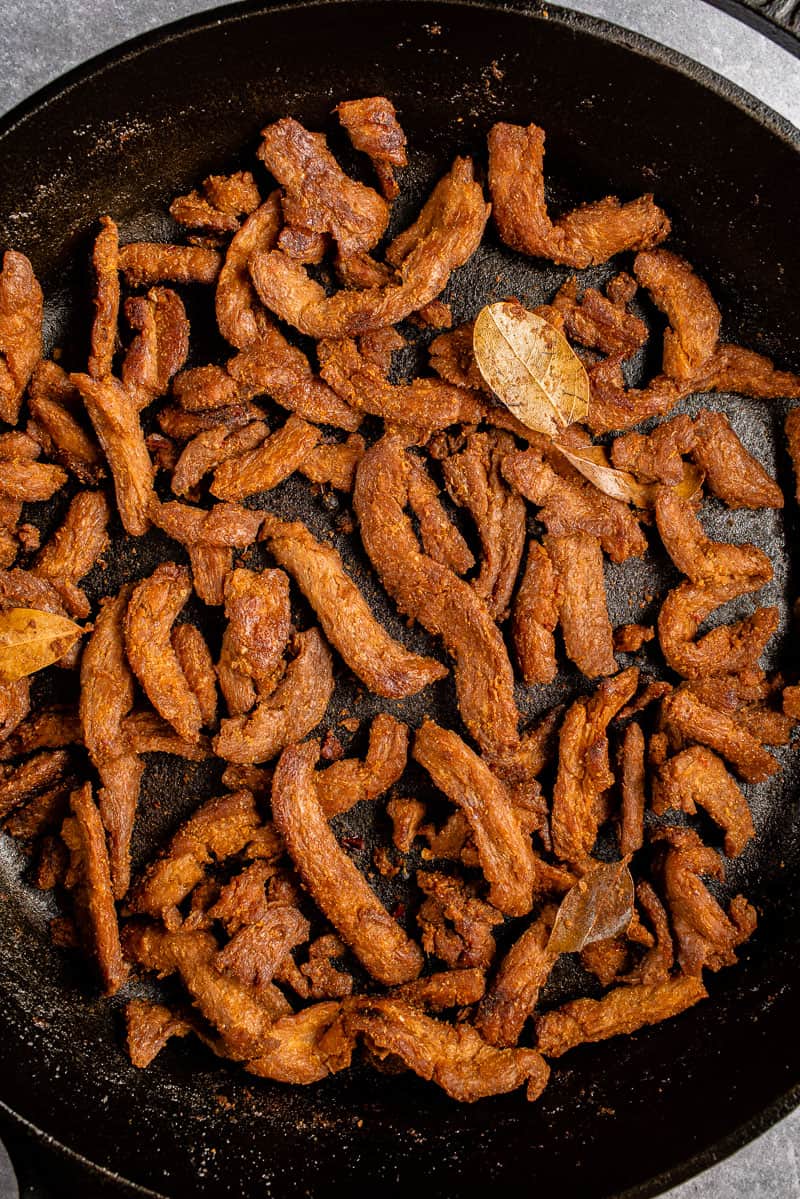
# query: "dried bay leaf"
[597,907]
[31,640]
[592,462]
[531,367]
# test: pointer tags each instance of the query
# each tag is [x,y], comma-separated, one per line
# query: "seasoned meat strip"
[338,888]
[254,642]
[373,127]
[632,786]
[697,776]
[159,349]
[693,316]
[505,852]
[446,989]
[240,317]
[210,538]
[688,720]
[197,667]
[262,468]
[19,784]
[456,1057]
[582,608]
[731,473]
[444,604]
[105,326]
[386,666]
[584,237]
[350,781]
[535,617]
[55,405]
[153,608]
[21,310]
[293,709]
[335,462]
[656,456]
[220,204]
[441,539]
[305,1047]
[207,450]
[623,1010]
[146,263]
[514,992]
[148,1027]
[74,548]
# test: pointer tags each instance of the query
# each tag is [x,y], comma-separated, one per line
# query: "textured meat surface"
[731,473]
[305,1047]
[74,548]
[56,407]
[207,450]
[686,301]
[334,463]
[255,639]
[582,607]
[105,326]
[373,127]
[386,666]
[262,468]
[440,538]
[535,616]
[159,349]
[210,536]
[352,780]
[148,1028]
[688,719]
[21,310]
[197,667]
[146,263]
[337,887]
[656,456]
[219,204]
[696,776]
[446,989]
[240,318]
[632,782]
[514,991]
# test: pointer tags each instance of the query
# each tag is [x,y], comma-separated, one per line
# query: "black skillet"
[124,134]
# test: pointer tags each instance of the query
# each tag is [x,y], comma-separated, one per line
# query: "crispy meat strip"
[446,989]
[148,1027]
[254,642]
[694,319]
[160,346]
[588,639]
[583,768]
[74,548]
[386,666]
[89,878]
[732,474]
[317,193]
[422,403]
[512,996]
[256,951]
[535,616]
[656,456]
[210,536]
[456,925]
[406,816]
[733,368]
[21,783]
[48,728]
[352,780]
[334,463]
[305,1047]
[601,322]
[452,358]
[440,538]
[505,853]
[792,431]
[745,695]
[261,469]
[632,786]
[570,505]
[697,776]
[323,979]
[305,245]
[219,829]
[338,888]
[293,709]
[21,310]
[373,127]
[146,733]
[219,205]
[455,1057]
[196,665]
[54,404]
[623,1010]
[444,604]
[146,263]
[584,237]
[105,326]
[26,480]
[207,450]
[243,901]
[115,417]
[446,234]
[240,317]
[152,610]
[106,699]
[180,425]
[14,706]
[688,720]
[474,481]
[706,937]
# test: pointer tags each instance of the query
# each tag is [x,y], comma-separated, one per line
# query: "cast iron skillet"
[124,134]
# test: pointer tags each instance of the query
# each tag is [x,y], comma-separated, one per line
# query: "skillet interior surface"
[147,122]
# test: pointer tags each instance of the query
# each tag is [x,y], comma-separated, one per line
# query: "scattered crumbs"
[332,749]
[384,863]
[352,842]
[350,723]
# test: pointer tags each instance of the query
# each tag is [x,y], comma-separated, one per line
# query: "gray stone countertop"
[43,38]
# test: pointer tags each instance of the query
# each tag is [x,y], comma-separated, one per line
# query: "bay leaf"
[31,640]
[531,367]
[598,906]
[593,463]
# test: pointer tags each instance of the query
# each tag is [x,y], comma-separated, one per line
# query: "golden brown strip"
[240,317]
[194,659]
[146,263]
[514,992]
[351,781]
[582,609]
[263,468]
[105,326]
[21,310]
[535,617]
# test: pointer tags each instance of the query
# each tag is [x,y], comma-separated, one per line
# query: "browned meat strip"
[440,537]
[240,317]
[452,358]
[406,816]
[255,640]
[105,327]
[74,548]
[582,609]
[684,298]
[256,951]
[210,536]
[146,263]
[146,733]
[337,887]
[334,463]
[21,310]
[148,1027]
[19,784]
[305,1047]
[446,989]
[160,346]
[373,128]
[180,425]
[688,720]
[514,992]
[350,781]
[731,473]
[535,617]
[219,205]
[264,467]
[697,776]
[632,785]
[196,665]
[584,237]
[656,456]
[456,925]
[55,405]
[601,322]
[207,450]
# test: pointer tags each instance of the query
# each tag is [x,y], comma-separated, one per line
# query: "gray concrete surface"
[43,38]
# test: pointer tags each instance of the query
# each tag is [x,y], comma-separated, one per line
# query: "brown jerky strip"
[116,423]
[535,617]
[21,309]
[338,888]
[263,468]
[452,358]
[305,1047]
[584,237]
[632,786]
[725,649]
[257,950]
[686,718]
[623,1010]
[447,989]
[253,644]
[600,322]
[440,537]
[147,733]
[49,728]
[305,245]
[180,425]
[90,878]
[350,781]
[293,709]
[731,473]
[373,128]
[194,659]
[505,852]
[697,776]
[146,263]
[444,604]
[210,537]
[406,816]
[512,996]
[240,317]
[148,1027]
[223,200]
[693,316]
[35,774]
[160,346]
[732,368]
[656,456]
[334,463]
[105,327]
[207,450]
[74,548]
[382,663]
[22,479]
[582,610]
[456,1057]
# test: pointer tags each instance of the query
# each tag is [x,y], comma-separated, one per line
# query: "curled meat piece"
[27,480]
[148,1027]
[293,709]
[697,776]
[455,1057]
[386,666]
[146,733]
[105,326]
[317,193]
[444,604]
[115,417]
[373,127]
[21,783]
[452,358]
[207,450]
[210,536]
[512,996]
[146,263]
[218,830]
[335,462]
[440,537]
[656,456]
[305,1047]
[747,696]
[21,310]
[89,878]
[217,207]
[261,469]
[337,887]
[159,349]
[535,616]
[584,237]
[456,926]
[623,1010]
[74,548]
[443,990]
[179,425]
[240,317]
[153,608]
[55,406]
[256,951]
[601,322]
[588,639]
[693,316]
[706,937]
[350,781]
[255,640]
[446,234]
[583,767]
[731,473]
[505,852]
[197,667]
[49,728]
[406,816]
[688,720]
[474,481]
[632,786]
